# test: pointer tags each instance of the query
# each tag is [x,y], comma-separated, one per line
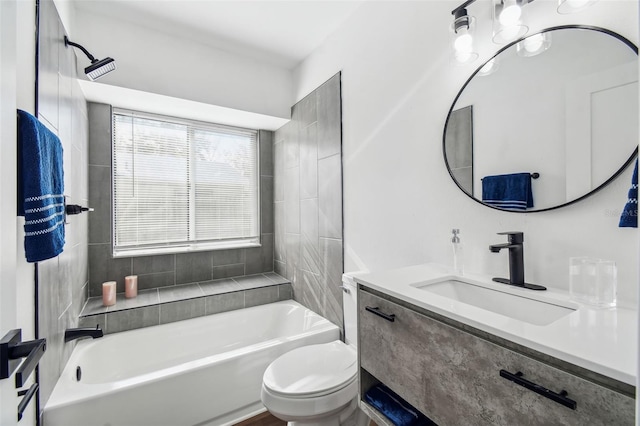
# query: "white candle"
[109,293]
[130,286]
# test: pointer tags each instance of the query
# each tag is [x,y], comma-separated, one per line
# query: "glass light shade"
[571,6]
[490,67]
[462,33]
[507,21]
[534,45]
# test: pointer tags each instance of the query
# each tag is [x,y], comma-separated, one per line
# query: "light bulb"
[534,43]
[510,15]
[463,42]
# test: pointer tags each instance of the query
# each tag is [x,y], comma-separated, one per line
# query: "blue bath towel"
[40,188]
[512,191]
[395,408]
[629,216]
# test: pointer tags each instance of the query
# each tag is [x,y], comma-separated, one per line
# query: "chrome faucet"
[78,333]
[516,261]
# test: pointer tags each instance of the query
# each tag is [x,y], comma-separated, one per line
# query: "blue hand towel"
[512,191]
[629,216]
[395,408]
[40,188]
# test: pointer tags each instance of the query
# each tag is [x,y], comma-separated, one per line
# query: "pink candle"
[109,293]
[130,286]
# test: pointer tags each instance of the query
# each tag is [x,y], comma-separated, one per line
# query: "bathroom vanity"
[462,362]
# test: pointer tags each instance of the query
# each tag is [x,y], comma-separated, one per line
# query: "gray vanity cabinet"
[453,376]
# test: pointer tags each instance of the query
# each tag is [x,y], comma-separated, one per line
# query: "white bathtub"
[202,371]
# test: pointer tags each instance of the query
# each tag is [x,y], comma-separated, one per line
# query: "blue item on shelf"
[394,407]
[629,216]
[512,191]
[40,188]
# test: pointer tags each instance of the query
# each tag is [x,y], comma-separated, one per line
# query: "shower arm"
[68,42]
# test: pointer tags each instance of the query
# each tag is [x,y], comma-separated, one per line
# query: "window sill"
[184,249]
[174,303]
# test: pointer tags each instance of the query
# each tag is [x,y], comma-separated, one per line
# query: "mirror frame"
[626,164]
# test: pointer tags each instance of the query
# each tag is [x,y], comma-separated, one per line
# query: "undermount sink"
[513,306]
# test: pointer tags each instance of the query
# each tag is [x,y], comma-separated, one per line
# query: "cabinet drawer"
[453,376]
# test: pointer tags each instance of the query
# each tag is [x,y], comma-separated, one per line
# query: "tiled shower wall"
[170,269]
[308,201]
[62,281]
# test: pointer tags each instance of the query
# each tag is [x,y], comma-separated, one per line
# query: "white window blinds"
[180,185]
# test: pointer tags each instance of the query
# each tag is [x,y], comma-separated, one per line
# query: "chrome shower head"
[98,68]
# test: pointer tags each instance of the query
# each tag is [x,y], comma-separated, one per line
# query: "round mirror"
[547,121]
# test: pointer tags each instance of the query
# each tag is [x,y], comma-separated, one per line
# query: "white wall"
[161,63]
[399,201]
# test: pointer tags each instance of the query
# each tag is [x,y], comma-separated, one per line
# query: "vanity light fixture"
[571,6]
[507,20]
[462,32]
[534,45]
[98,68]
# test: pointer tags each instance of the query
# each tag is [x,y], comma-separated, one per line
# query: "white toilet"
[317,385]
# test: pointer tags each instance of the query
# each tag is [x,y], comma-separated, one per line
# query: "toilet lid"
[313,370]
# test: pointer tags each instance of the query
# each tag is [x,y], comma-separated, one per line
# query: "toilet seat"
[312,371]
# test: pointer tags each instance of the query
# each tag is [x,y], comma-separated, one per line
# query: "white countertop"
[603,340]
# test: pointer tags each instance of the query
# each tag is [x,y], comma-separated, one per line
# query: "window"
[182,185]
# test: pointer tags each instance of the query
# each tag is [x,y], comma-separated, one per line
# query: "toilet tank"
[350,309]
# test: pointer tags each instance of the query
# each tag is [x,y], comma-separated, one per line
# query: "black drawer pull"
[376,310]
[560,398]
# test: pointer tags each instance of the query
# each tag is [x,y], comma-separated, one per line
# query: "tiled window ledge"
[174,303]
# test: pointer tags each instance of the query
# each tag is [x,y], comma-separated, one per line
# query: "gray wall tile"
[260,296]
[266,153]
[51,38]
[292,145]
[310,255]
[228,271]
[285,292]
[100,138]
[266,205]
[154,264]
[260,259]
[329,118]
[178,311]
[292,200]
[103,267]
[305,111]
[330,197]
[278,178]
[224,302]
[132,319]
[228,257]
[100,201]
[279,253]
[280,268]
[308,224]
[309,163]
[292,249]
[194,267]
[161,279]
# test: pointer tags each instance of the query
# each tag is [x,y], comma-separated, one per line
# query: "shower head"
[98,68]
